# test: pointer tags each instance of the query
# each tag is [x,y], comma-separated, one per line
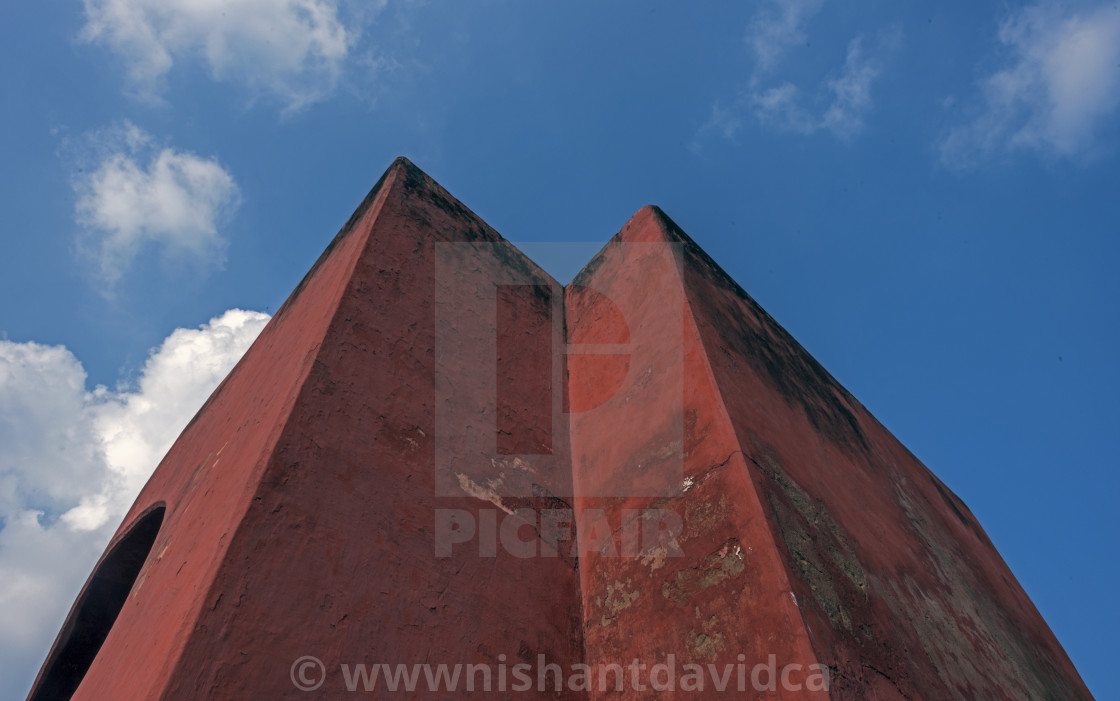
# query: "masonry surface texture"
[425,367]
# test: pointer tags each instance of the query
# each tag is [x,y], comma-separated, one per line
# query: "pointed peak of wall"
[414,195]
[649,225]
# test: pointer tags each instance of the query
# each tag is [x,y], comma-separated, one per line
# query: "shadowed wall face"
[524,370]
[884,560]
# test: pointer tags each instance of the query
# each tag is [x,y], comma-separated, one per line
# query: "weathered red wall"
[300,501]
[726,593]
[208,480]
[425,364]
[900,590]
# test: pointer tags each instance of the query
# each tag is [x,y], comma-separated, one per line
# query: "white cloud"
[848,99]
[838,104]
[779,107]
[72,461]
[139,194]
[779,27]
[1060,85]
[291,49]
[851,92]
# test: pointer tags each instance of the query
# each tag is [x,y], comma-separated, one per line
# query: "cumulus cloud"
[72,460]
[140,194]
[293,50]
[1058,87]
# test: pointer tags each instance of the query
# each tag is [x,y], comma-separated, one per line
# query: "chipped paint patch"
[706,646]
[655,560]
[618,599]
[513,462]
[712,570]
[479,492]
[702,516]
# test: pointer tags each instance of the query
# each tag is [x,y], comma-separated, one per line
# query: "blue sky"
[924,197]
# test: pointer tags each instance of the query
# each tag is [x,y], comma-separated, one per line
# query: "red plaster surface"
[728,592]
[898,589]
[301,499]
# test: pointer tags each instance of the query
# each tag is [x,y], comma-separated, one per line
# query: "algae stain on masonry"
[817,546]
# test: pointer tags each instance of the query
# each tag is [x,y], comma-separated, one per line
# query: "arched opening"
[95,611]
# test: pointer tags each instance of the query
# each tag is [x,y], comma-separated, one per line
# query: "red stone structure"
[635,486]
